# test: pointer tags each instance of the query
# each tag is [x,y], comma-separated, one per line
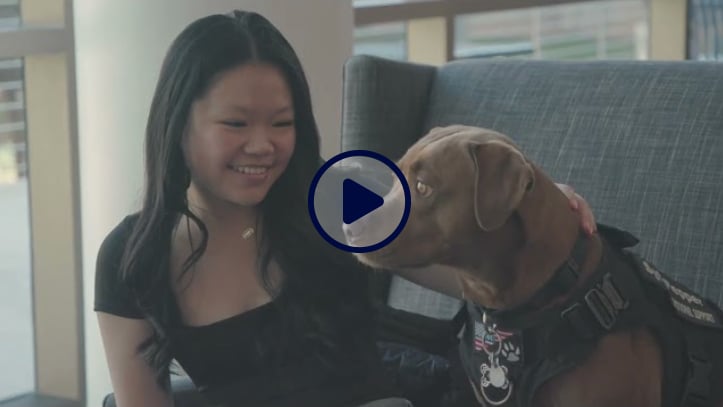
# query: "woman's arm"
[133,380]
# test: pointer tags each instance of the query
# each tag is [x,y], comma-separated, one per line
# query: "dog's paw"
[510,352]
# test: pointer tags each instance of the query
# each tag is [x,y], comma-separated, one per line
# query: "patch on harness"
[494,356]
[686,303]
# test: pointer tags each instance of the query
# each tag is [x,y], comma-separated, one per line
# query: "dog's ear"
[502,177]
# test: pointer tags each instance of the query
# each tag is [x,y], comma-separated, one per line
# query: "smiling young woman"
[221,269]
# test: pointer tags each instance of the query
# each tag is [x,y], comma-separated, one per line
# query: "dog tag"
[495,386]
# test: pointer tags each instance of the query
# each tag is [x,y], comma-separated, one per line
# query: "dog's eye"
[423,188]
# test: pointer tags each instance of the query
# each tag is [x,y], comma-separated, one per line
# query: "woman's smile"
[250,169]
[251,175]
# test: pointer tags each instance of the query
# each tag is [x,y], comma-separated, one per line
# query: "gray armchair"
[641,141]
[184,392]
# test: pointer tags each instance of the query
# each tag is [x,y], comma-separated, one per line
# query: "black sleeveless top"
[224,362]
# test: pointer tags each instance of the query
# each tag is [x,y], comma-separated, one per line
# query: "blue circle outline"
[359,153]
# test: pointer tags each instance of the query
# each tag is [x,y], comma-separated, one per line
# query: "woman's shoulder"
[114,242]
[111,292]
[123,228]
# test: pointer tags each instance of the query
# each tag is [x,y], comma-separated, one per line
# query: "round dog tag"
[494,384]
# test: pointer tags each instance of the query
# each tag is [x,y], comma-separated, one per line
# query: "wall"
[119,49]
[668,21]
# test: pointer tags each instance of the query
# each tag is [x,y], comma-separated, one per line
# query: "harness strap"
[562,282]
[691,339]
[614,298]
[697,390]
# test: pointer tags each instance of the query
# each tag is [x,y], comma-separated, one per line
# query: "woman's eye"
[423,188]
[285,123]
[234,123]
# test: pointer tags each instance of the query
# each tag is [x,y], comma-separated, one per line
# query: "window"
[16,330]
[9,14]
[15,261]
[435,31]
[590,30]
[705,30]
[370,3]
[40,334]
[383,40]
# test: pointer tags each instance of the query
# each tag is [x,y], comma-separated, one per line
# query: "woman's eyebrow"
[284,110]
[243,109]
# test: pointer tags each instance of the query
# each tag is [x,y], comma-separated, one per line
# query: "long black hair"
[323,297]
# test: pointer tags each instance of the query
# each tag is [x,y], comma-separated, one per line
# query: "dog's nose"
[354,230]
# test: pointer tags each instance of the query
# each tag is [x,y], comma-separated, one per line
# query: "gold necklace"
[246,234]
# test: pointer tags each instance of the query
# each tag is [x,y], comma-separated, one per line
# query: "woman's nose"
[259,143]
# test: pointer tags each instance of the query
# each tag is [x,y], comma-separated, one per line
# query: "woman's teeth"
[249,170]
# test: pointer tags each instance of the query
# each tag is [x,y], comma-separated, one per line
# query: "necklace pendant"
[247,233]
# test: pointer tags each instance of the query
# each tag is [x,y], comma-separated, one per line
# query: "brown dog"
[513,243]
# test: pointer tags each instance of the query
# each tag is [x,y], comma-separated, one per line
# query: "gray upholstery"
[641,141]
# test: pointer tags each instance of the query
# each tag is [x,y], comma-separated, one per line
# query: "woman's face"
[241,135]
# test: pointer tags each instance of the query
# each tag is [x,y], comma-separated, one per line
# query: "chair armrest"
[184,392]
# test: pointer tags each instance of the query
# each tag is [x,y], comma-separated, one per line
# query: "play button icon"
[357,201]
[349,188]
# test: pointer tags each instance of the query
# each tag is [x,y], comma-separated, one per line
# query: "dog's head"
[464,181]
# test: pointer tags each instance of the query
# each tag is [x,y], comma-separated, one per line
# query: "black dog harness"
[509,354]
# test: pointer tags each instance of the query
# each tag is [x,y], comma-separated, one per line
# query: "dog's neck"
[525,253]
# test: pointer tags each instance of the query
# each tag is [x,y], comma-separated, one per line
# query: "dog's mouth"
[376,259]
[357,241]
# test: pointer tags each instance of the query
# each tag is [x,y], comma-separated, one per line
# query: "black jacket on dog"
[509,354]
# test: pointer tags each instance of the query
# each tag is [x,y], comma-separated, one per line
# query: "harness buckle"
[601,308]
[604,301]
